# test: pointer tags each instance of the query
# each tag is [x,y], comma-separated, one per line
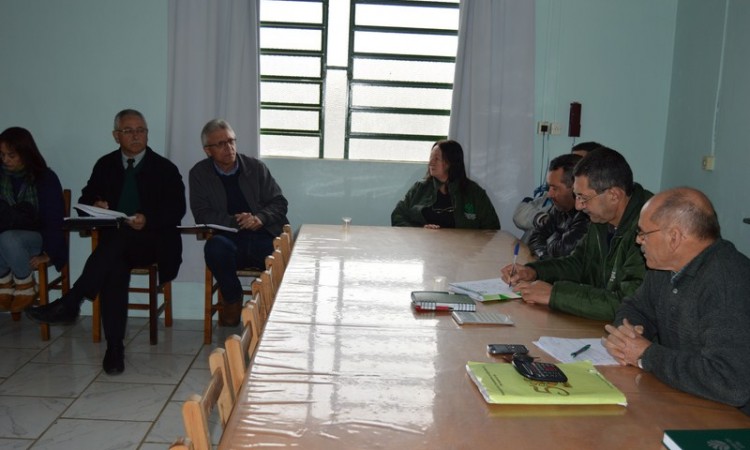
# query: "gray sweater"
[699,322]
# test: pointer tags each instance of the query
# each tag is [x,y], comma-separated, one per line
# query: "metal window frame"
[351,81]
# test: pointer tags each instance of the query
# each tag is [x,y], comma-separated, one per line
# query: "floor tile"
[50,380]
[176,342]
[169,426]
[24,333]
[28,417]
[151,368]
[14,358]
[72,350]
[76,434]
[15,444]
[120,401]
[194,382]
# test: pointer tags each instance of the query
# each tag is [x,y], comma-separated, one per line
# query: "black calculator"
[538,371]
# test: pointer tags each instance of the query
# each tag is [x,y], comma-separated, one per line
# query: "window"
[356,79]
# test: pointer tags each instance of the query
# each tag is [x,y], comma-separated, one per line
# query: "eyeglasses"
[132,131]
[583,200]
[642,234]
[222,144]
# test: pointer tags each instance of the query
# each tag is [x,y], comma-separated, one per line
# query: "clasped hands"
[625,343]
[523,280]
[247,221]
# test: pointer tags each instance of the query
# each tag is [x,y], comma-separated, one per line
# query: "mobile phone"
[506,349]
[538,371]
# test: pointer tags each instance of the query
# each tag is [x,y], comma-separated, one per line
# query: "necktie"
[130,164]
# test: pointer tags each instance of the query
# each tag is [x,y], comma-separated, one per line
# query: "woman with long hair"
[446,197]
[31,218]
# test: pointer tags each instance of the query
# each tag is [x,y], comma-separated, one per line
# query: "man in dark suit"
[149,189]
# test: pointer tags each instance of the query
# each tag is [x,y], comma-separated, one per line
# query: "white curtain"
[493,99]
[213,73]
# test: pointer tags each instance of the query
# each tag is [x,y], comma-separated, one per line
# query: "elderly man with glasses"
[687,323]
[148,188]
[607,265]
[235,191]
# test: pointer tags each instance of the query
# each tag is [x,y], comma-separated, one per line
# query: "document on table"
[561,349]
[97,212]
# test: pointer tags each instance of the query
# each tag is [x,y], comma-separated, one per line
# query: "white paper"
[101,212]
[210,225]
[561,349]
[484,290]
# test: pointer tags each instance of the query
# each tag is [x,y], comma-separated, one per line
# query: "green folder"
[501,383]
[730,439]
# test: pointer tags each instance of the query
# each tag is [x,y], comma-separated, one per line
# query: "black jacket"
[162,198]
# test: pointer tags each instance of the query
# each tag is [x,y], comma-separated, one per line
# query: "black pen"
[580,350]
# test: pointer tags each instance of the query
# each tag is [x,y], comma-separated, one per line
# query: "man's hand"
[625,343]
[535,292]
[137,222]
[101,204]
[432,226]
[520,273]
[247,221]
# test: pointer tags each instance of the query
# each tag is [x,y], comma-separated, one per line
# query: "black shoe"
[59,312]
[114,359]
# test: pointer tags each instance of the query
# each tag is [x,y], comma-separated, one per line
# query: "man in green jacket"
[607,265]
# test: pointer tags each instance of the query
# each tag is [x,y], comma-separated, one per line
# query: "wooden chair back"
[241,349]
[197,408]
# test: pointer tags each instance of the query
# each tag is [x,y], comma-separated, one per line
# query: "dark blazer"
[162,198]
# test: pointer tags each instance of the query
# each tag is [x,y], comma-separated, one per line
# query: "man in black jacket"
[565,225]
[148,188]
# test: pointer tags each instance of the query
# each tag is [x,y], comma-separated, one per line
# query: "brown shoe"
[229,315]
[7,287]
[24,294]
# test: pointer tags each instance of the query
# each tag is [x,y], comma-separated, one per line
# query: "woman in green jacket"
[446,197]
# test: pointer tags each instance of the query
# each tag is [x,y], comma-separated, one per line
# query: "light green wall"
[697,77]
[615,58]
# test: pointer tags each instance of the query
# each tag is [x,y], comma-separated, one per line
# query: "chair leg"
[96,319]
[167,291]
[208,307]
[153,313]
[43,299]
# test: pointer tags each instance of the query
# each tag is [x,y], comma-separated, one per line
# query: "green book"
[501,383]
[441,301]
[729,439]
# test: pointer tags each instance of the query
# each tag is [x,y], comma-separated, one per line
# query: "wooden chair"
[197,408]
[241,349]
[153,306]
[61,282]
[283,243]
[210,308]
[262,290]
[210,287]
[182,443]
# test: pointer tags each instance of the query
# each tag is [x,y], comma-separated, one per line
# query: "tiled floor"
[55,395]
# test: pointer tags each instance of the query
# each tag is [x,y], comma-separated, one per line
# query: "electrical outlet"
[708,163]
[542,127]
[555,128]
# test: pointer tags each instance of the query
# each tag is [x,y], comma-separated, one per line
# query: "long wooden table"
[345,363]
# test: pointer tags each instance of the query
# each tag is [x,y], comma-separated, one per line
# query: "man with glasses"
[688,322]
[235,191]
[148,188]
[607,264]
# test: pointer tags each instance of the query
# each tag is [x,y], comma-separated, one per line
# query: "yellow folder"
[501,383]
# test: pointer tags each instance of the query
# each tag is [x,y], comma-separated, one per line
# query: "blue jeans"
[226,253]
[17,247]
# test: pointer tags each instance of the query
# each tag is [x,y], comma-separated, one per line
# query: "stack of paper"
[485,290]
[501,383]
[100,213]
[563,350]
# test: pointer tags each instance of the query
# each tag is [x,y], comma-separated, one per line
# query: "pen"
[515,257]
[580,350]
